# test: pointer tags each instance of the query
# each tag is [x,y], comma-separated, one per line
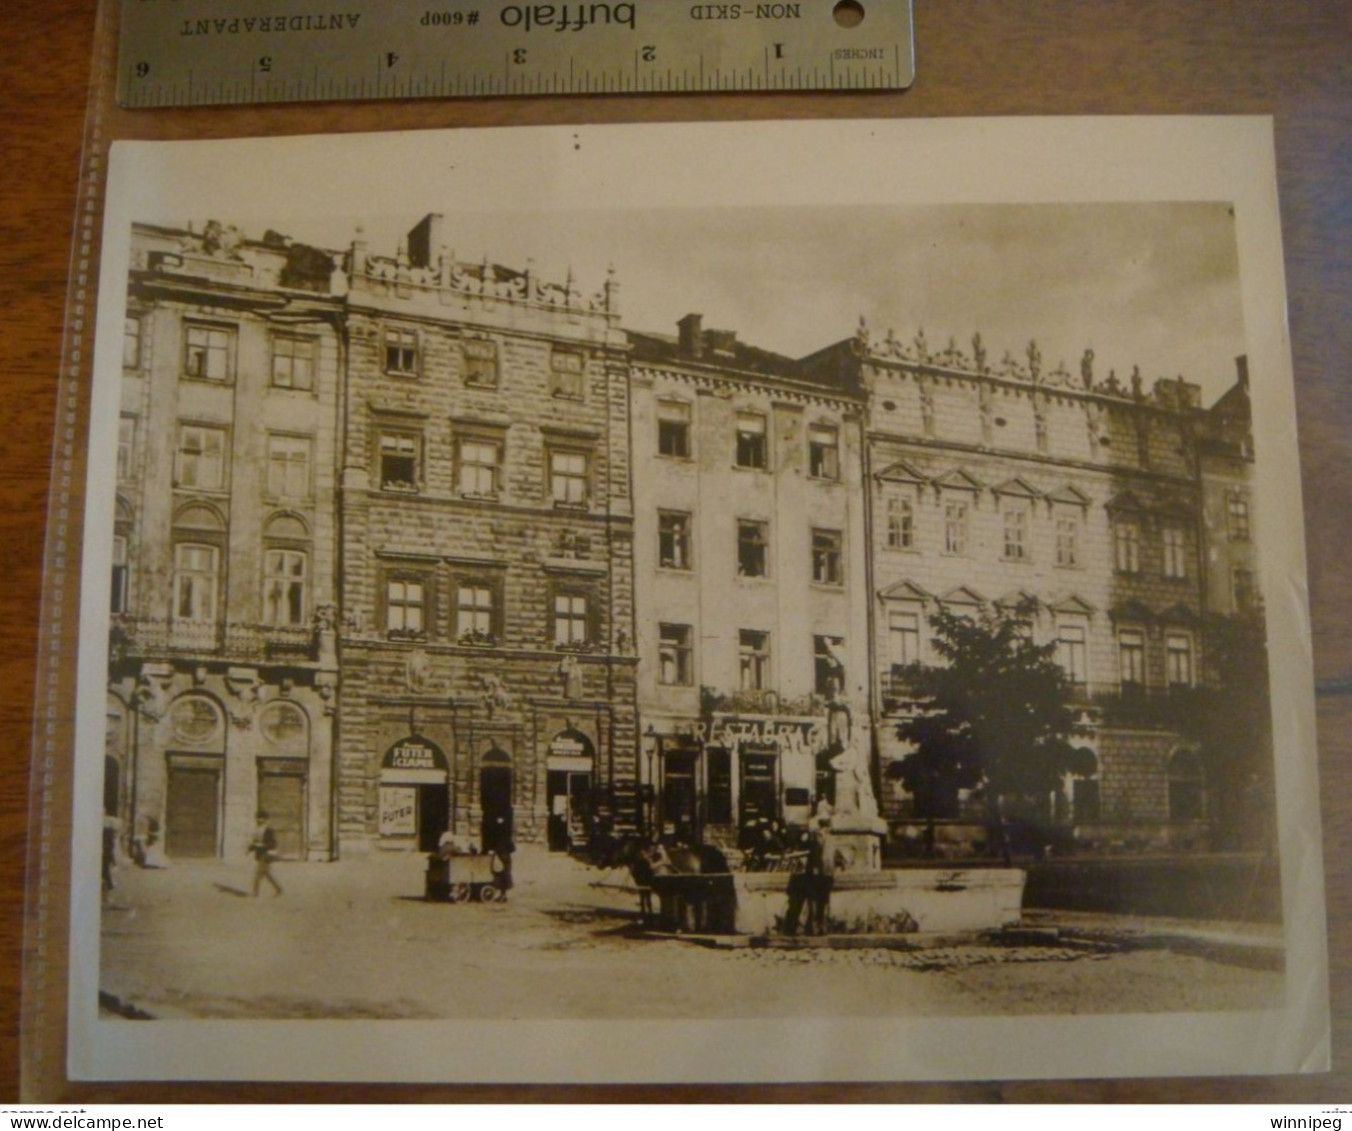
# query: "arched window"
[286,569]
[199,542]
[1187,787]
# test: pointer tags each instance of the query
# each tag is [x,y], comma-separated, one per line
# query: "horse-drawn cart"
[459,879]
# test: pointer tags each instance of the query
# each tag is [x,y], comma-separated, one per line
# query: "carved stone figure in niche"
[1094,418]
[495,693]
[417,671]
[1087,369]
[979,353]
[987,415]
[570,671]
[927,408]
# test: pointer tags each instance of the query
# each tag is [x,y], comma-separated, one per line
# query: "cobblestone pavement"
[356,939]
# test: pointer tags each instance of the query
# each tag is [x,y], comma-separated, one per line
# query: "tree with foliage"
[1229,718]
[995,716]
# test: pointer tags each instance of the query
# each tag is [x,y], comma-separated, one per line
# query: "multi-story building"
[1078,501]
[486,538]
[750,564]
[404,544]
[223,666]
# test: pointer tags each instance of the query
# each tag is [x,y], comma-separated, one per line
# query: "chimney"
[1242,371]
[691,335]
[424,240]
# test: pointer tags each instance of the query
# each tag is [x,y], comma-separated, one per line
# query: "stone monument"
[856,830]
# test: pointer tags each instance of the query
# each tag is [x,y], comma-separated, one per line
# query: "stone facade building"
[487,582]
[223,667]
[1081,500]
[750,559]
[404,545]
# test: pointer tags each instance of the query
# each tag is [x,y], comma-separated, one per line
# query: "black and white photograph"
[708,603]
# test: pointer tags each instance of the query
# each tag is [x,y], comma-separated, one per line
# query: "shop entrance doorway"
[495,801]
[192,810]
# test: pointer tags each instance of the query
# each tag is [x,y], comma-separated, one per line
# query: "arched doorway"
[282,775]
[196,769]
[415,796]
[495,800]
[568,786]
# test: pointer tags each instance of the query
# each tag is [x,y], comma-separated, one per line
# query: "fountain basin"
[884,902]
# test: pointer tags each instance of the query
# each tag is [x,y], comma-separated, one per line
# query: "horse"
[647,860]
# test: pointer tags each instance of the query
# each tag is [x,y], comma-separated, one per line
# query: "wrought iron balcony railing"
[147,637]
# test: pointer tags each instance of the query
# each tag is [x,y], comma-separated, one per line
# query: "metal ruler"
[221,52]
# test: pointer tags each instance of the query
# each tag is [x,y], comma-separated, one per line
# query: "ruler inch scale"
[234,52]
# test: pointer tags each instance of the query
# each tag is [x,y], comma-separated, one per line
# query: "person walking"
[263,846]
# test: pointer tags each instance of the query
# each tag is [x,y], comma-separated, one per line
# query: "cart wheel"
[460,893]
[491,893]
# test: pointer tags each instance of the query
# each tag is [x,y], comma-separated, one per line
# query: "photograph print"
[707,620]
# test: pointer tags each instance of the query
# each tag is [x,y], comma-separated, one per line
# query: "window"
[1131,657]
[752,549]
[675,655]
[903,637]
[131,343]
[399,457]
[1016,533]
[1244,592]
[1067,540]
[284,587]
[1187,787]
[120,575]
[751,441]
[1085,801]
[126,447]
[823,452]
[570,619]
[195,581]
[567,372]
[900,523]
[293,363]
[754,652]
[673,429]
[568,478]
[474,613]
[480,358]
[208,352]
[1175,552]
[401,351]
[1071,652]
[1127,547]
[827,668]
[289,467]
[201,457]
[405,607]
[955,526]
[1237,518]
[827,566]
[1178,659]
[480,464]
[673,540]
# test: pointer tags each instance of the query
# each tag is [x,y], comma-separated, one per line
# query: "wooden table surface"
[1291,60]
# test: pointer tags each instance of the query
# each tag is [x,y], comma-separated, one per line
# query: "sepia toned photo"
[768,626]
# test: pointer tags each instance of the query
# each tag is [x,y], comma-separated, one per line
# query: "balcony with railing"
[147,637]
[763,701]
